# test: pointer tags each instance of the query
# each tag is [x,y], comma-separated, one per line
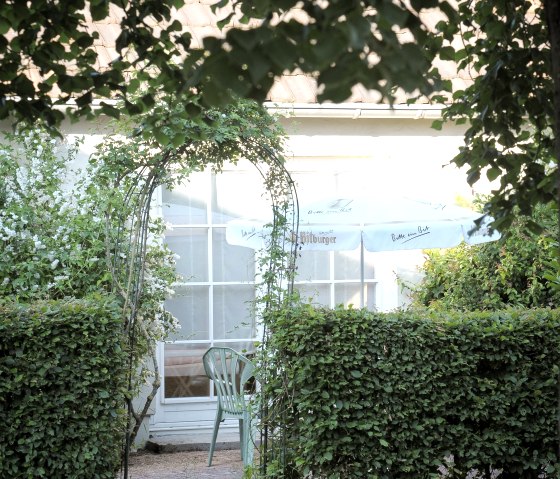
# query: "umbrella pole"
[362,274]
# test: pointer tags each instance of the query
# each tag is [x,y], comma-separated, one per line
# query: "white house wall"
[402,156]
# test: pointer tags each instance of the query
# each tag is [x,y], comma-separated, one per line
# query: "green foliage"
[66,233]
[394,396]
[63,370]
[342,43]
[511,272]
[52,243]
[510,106]
[58,40]
[179,144]
[335,42]
[55,225]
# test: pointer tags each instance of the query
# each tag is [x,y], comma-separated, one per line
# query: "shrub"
[63,371]
[510,272]
[61,229]
[373,395]
[67,233]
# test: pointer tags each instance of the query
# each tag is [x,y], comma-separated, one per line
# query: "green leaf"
[23,86]
[493,173]
[160,136]
[447,53]
[110,110]
[99,9]
[393,14]
[4,26]
[247,39]
[178,139]
[437,125]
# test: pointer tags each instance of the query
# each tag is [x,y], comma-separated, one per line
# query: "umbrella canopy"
[378,224]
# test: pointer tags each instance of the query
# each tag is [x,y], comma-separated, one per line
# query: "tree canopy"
[48,58]
[48,54]
[512,108]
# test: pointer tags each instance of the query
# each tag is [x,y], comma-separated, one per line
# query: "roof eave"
[354,110]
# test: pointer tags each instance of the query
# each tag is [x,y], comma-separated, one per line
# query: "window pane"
[231,263]
[319,294]
[184,374]
[191,244]
[186,204]
[247,348]
[233,316]
[369,265]
[370,296]
[190,307]
[347,264]
[347,294]
[240,194]
[313,265]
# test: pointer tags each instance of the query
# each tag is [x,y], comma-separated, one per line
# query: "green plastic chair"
[230,372]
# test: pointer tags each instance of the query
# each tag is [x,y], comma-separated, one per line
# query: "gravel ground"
[226,464]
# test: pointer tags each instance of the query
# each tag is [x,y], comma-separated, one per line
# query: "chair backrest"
[230,372]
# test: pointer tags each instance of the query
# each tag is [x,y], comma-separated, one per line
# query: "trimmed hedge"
[378,395]
[62,380]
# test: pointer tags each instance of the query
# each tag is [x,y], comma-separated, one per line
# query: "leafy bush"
[510,272]
[63,370]
[67,233]
[373,395]
[60,229]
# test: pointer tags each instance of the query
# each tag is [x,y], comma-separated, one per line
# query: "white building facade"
[337,151]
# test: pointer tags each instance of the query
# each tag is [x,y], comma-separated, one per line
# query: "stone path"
[226,464]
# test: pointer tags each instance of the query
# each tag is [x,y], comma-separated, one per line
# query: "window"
[335,277]
[213,303]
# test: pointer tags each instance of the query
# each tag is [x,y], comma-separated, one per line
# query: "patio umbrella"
[382,224]
[375,223]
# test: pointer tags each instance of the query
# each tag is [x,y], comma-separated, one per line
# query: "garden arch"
[242,131]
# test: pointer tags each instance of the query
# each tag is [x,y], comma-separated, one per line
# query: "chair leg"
[247,445]
[241,438]
[217,422]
